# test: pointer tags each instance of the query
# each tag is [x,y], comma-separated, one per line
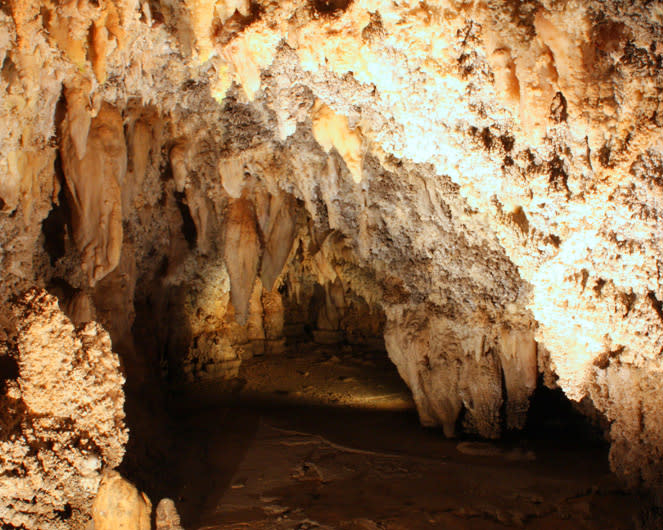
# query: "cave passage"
[339,375]
[327,436]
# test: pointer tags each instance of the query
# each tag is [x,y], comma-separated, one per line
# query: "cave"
[348,264]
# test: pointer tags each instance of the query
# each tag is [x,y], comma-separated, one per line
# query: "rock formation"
[119,505]
[479,182]
[167,517]
[62,417]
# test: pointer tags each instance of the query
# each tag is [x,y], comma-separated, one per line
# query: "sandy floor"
[329,439]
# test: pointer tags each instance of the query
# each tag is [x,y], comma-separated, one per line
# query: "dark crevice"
[91,54]
[61,289]
[657,304]
[459,426]
[605,157]
[558,110]
[224,32]
[504,406]
[188,226]
[552,416]
[54,227]
[9,72]
[65,513]
[558,179]
[507,142]
[166,172]
[330,7]
[8,371]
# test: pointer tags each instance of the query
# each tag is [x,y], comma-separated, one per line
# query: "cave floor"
[330,440]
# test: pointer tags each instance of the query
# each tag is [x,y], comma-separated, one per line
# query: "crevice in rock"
[55,225]
[188,225]
[330,7]
[554,417]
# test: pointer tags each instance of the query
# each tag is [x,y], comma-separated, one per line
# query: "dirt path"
[316,442]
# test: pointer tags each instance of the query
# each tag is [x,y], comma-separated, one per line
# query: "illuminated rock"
[94,168]
[119,505]
[483,178]
[62,416]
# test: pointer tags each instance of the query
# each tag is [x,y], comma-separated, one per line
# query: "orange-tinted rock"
[120,506]
[242,254]
[94,193]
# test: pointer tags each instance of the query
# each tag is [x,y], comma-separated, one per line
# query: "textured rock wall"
[62,415]
[483,174]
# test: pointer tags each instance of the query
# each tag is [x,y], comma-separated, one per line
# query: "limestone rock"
[484,176]
[274,317]
[331,130]
[279,235]
[448,370]
[242,254]
[62,417]
[120,506]
[93,181]
[167,517]
[517,353]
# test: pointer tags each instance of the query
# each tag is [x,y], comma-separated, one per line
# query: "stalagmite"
[62,416]
[119,505]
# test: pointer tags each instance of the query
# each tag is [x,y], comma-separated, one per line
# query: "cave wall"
[486,175]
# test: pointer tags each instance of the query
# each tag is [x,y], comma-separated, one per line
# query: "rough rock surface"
[120,506]
[167,517]
[468,177]
[62,417]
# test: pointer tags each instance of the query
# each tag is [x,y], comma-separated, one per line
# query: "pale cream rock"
[140,146]
[68,399]
[179,164]
[517,354]
[120,506]
[200,210]
[332,131]
[167,517]
[279,233]
[273,314]
[93,183]
[255,323]
[202,13]
[80,308]
[231,172]
[242,252]
[248,54]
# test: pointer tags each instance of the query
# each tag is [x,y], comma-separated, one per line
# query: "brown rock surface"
[62,416]
[95,165]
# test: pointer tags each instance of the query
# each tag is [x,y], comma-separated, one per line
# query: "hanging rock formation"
[94,160]
[242,255]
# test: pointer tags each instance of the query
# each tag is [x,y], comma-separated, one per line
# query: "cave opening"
[295,410]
